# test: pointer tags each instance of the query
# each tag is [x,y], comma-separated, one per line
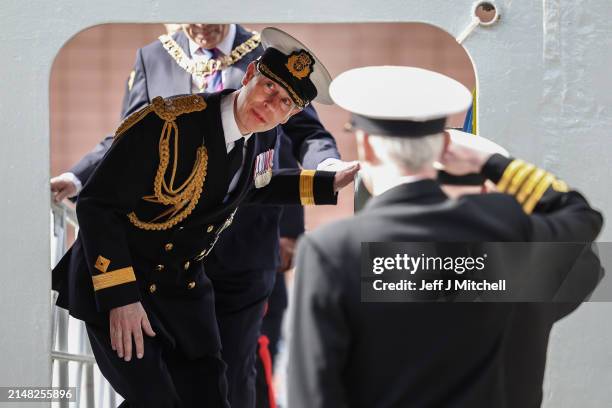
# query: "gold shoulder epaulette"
[182,199]
[528,183]
[205,68]
[167,109]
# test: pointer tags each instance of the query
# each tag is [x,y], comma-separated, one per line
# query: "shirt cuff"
[332,164]
[74,180]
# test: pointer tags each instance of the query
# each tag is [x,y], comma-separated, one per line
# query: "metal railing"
[72,359]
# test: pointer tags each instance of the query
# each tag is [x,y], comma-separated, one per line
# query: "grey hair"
[412,154]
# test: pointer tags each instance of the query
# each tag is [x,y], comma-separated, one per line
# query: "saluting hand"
[127,322]
[346,176]
[460,160]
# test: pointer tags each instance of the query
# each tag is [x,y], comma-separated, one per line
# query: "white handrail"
[73,362]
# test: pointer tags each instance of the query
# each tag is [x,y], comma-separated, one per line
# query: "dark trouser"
[163,378]
[240,298]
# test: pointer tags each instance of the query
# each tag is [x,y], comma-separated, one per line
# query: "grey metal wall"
[544,81]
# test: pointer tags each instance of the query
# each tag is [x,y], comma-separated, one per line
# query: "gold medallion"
[300,64]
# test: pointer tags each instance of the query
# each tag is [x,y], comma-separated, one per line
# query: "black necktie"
[235,158]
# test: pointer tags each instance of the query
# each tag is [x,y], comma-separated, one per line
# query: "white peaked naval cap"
[476,142]
[399,101]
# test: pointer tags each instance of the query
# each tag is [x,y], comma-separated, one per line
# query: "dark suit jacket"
[347,353]
[157,74]
[292,218]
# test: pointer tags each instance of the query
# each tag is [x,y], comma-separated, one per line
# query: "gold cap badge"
[299,64]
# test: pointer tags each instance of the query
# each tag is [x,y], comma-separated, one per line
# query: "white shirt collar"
[392,182]
[224,46]
[228,120]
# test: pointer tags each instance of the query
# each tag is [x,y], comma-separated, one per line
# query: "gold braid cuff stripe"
[560,186]
[538,192]
[267,72]
[205,68]
[519,178]
[113,278]
[529,185]
[307,187]
[509,173]
[184,198]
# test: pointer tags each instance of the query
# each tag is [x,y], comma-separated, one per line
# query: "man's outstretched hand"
[346,176]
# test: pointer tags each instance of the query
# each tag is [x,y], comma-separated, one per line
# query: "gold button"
[200,256]
[152,288]
[186,266]
[210,228]
[168,247]
[160,267]
[191,285]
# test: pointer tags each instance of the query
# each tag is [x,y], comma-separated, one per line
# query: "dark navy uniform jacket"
[157,74]
[347,353]
[292,220]
[121,256]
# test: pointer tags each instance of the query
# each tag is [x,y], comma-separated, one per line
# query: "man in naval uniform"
[211,57]
[345,352]
[153,209]
[526,340]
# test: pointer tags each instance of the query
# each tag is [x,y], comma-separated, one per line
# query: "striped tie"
[214,82]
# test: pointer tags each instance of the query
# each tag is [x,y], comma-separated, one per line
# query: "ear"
[365,150]
[295,111]
[362,152]
[249,74]
[445,144]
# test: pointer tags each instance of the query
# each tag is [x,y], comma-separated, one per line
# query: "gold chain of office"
[205,68]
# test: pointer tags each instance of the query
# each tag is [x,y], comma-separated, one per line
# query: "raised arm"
[305,187]
[312,143]
[557,213]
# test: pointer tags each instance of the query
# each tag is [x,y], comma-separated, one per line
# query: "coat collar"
[241,35]
[421,191]
[234,73]
[183,41]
